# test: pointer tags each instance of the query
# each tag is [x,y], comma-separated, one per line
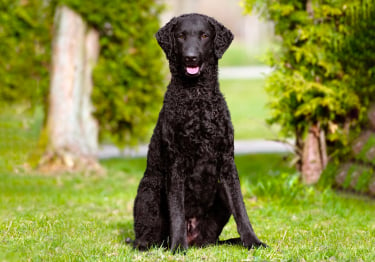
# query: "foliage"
[128,79]
[318,76]
[357,52]
[24,51]
[269,176]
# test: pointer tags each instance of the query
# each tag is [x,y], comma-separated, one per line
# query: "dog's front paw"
[140,245]
[261,244]
[179,247]
[251,241]
[256,244]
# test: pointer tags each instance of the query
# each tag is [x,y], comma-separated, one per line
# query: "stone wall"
[358,174]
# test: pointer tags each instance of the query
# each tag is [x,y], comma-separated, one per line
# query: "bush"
[24,51]
[306,87]
[323,72]
[128,79]
[357,53]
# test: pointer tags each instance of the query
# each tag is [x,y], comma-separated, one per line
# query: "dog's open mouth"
[192,70]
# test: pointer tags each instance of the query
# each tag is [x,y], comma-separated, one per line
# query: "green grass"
[238,54]
[19,131]
[73,217]
[247,104]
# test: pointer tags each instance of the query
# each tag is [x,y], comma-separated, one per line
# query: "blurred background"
[252,34]
[83,82]
[121,92]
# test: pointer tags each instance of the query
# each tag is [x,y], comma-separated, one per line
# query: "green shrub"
[324,71]
[357,52]
[128,79]
[24,50]
[307,87]
[285,187]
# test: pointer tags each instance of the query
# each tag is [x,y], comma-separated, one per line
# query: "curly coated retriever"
[190,187]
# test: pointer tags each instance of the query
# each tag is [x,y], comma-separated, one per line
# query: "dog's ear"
[223,38]
[165,37]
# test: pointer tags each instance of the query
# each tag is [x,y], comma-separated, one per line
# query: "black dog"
[191,187]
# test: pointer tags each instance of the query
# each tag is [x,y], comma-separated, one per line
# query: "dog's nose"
[191,59]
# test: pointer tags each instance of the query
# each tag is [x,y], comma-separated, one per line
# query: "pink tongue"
[192,70]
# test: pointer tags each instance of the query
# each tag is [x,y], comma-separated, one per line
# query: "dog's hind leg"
[150,214]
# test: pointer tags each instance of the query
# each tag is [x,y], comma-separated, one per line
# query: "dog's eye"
[204,36]
[181,36]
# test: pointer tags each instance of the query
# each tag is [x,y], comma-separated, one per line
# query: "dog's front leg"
[176,198]
[234,198]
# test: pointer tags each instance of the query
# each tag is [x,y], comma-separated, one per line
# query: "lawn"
[238,54]
[19,131]
[247,101]
[72,217]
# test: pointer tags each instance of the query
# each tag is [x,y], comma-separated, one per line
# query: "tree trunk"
[309,8]
[312,165]
[71,130]
[323,149]
[299,148]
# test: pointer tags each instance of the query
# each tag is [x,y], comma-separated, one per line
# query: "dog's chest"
[199,125]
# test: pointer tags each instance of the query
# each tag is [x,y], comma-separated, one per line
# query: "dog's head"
[191,40]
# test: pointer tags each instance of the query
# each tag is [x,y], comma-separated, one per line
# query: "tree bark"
[71,130]
[323,149]
[299,145]
[309,8]
[312,165]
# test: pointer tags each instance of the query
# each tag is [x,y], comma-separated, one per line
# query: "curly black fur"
[190,187]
